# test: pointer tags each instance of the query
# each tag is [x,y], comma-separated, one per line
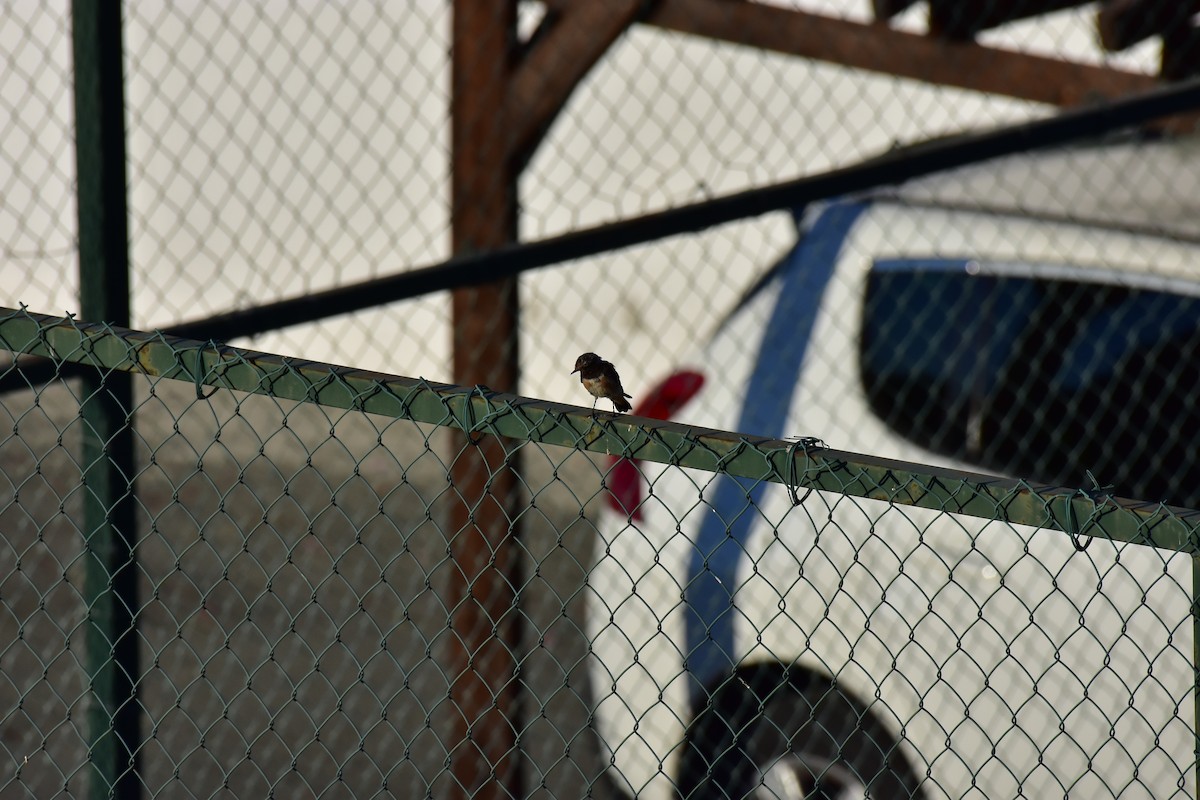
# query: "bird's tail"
[622,405]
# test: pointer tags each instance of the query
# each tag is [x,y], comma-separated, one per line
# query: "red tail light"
[624,480]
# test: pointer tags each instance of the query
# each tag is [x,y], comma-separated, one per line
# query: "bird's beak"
[575,370]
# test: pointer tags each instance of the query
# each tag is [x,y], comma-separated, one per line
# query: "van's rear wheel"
[778,732]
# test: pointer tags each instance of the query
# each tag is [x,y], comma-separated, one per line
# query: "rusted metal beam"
[880,49]
[886,9]
[571,39]
[1124,23]
[503,100]
[481,645]
[1181,54]
[955,19]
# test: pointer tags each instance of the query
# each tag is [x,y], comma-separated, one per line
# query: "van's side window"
[1040,371]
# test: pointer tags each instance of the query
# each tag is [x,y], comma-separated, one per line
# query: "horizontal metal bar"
[894,167]
[480,410]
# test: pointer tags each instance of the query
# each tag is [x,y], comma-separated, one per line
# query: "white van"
[1034,316]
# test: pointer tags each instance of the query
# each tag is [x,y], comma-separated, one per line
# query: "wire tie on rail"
[199,374]
[808,443]
[1098,495]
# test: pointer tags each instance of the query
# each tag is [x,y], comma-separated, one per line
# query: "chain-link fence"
[250,593]
[275,151]
[771,614]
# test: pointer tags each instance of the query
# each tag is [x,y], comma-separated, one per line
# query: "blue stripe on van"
[720,543]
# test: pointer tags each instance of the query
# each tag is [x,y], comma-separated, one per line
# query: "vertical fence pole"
[1196,669]
[106,404]
[481,656]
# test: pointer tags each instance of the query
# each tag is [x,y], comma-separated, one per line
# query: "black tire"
[774,731]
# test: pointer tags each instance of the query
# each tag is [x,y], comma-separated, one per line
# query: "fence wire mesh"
[276,151]
[771,614]
[322,602]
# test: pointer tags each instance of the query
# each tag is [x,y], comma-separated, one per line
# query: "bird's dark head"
[586,360]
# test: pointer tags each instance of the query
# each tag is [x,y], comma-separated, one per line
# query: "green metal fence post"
[1196,667]
[106,404]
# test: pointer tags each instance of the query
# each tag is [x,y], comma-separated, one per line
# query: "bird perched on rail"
[601,380]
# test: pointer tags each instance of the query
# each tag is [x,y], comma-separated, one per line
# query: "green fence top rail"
[478,410]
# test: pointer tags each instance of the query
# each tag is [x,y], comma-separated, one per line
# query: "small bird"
[601,380]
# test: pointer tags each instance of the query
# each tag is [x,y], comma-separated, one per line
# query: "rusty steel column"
[481,646]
